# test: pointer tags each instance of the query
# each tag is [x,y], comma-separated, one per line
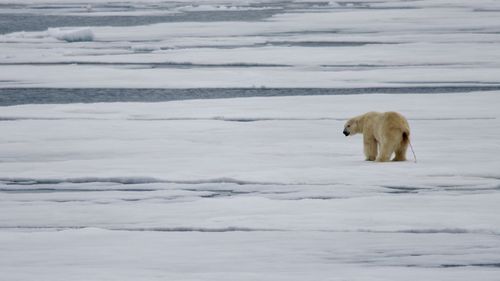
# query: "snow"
[209,256]
[234,189]
[388,44]
[71,35]
[213,121]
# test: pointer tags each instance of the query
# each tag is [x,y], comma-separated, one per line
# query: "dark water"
[33,17]
[16,96]
[39,22]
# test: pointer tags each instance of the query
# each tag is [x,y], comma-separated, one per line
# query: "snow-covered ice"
[71,35]
[249,189]
[344,44]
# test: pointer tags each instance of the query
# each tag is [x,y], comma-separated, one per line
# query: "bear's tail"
[406,139]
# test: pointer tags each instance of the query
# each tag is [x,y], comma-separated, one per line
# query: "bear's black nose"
[346,133]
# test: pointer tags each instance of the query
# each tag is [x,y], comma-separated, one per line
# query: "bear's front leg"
[370,148]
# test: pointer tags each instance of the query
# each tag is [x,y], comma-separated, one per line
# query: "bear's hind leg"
[386,150]
[401,152]
[370,148]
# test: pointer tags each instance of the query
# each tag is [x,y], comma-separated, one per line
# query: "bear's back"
[395,120]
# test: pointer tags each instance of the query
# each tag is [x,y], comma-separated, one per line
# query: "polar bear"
[385,133]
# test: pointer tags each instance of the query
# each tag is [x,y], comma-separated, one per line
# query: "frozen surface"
[72,35]
[254,188]
[242,44]
[248,189]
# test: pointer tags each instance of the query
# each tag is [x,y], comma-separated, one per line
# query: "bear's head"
[351,127]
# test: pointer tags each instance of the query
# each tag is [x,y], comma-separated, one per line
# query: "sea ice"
[71,34]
